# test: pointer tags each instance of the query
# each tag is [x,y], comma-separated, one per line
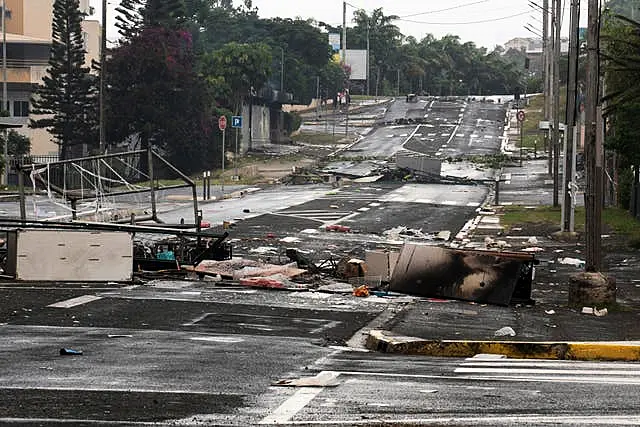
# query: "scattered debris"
[70,352]
[265,250]
[362,291]
[337,227]
[595,311]
[289,239]
[351,267]
[402,232]
[276,281]
[265,270]
[533,249]
[532,240]
[323,379]
[443,235]
[310,231]
[381,263]
[507,331]
[337,288]
[572,261]
[481,276]
[550,311]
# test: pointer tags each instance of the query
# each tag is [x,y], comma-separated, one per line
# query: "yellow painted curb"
[387,343]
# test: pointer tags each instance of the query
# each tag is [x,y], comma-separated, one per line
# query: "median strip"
[386,342]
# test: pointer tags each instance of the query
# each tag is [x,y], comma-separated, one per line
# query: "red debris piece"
[271,236]
[339,228]
[262,282]
[205,224]
[362,291]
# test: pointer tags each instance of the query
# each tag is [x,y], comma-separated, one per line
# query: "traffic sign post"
[236,123]
[222,124]
[521,116]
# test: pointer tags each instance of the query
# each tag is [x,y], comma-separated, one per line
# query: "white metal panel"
[48,255]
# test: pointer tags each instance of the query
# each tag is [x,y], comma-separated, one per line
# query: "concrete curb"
[386,342]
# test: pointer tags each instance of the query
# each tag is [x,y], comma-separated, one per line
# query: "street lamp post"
[5,177]
[282,69]
[368,73]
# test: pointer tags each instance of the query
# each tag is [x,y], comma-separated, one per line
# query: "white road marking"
[75,301]
[218,339]
[490,370]
[292,406]
[532,419]
[324,327]
[71,421]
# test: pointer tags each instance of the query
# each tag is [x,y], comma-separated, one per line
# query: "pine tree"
[168,14]
[66,101]
[129,18]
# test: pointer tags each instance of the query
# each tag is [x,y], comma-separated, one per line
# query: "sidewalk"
[549,328]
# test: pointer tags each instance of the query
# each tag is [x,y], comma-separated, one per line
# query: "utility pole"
[545,66]
[281,69]
[5,98]
[556,103]
[103,67]
[593,159]
[368,72]
[551,67]
[569,154]
[344,32]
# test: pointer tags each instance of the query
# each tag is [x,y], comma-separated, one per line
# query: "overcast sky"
[486,22]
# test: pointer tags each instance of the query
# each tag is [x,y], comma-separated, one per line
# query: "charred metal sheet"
[481,276]
[419,163]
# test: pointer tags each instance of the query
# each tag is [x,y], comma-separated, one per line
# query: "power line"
[466,23]
[445,10]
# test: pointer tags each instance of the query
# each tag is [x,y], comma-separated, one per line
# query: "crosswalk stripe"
[549,371]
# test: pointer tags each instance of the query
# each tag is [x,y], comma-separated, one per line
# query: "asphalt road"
[182,353]
[161,351]
[448,127]
[204,353]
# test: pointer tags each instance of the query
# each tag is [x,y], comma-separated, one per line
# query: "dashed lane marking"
[73,302]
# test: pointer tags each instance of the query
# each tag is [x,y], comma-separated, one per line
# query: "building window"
[21,108]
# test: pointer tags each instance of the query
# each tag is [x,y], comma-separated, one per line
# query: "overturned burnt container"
[490,277]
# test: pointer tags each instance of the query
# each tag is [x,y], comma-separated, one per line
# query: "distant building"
[532,47]
[533,44]
[28,25]
[523,43]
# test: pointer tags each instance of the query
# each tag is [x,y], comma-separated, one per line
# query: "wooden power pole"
[546,75]
[556,102]
[593,158]
[568,202]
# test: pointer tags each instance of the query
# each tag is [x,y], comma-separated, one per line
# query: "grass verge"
[619,221]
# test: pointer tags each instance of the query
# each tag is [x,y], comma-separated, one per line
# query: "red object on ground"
[340,228]
[262,282]
[205,224]
[271,236]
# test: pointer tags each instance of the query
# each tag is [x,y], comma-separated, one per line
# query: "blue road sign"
[236,121]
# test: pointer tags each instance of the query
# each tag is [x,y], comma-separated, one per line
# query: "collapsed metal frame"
[151,155]
[7,224]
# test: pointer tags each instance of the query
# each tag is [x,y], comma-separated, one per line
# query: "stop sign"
[222,122]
